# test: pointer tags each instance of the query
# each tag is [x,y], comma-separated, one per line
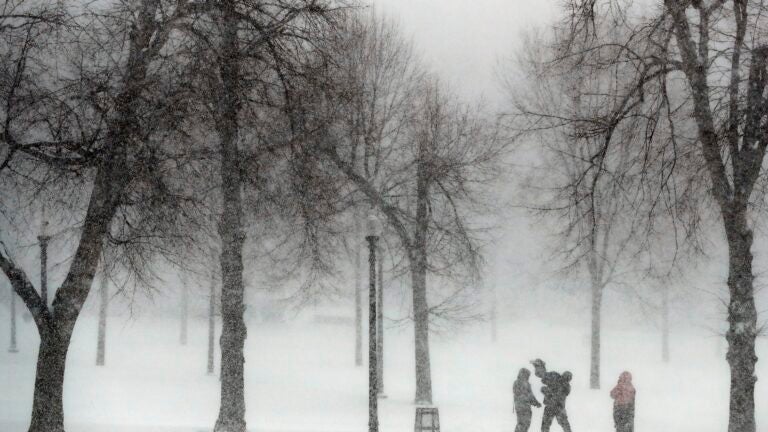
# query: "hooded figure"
[556,388]
[524,398]
[624,403]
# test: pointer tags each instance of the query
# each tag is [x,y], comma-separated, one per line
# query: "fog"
[227,202]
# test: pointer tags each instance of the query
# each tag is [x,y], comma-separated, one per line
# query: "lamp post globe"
[373,226]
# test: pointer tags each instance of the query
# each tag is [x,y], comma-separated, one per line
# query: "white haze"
[299,370]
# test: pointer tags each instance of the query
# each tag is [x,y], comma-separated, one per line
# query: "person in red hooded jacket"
[624,403]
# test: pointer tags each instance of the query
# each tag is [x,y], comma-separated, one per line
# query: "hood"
[523,374]
[625,377]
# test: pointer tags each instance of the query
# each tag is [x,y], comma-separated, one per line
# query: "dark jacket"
[523,394]
[556,386]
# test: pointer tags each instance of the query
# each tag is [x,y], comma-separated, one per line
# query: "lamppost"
[211,321]
[13,348]
[373,229]
[380,326]
[43,239]
[184,309]
[101,338]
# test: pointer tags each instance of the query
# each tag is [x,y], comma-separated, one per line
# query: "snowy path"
[300,378]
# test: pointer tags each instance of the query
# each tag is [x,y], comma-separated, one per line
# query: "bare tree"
[96,140]
[240,36]
[381,74]
[394,142]
[693,90]
[434,161]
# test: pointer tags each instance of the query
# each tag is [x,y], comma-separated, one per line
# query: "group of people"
[556,387]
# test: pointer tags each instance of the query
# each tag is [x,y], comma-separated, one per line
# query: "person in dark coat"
[524,398]
[555,389]
[624,403]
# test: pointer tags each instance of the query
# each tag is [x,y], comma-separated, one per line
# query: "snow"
[301,378]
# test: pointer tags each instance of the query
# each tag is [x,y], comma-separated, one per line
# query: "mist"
[337,216]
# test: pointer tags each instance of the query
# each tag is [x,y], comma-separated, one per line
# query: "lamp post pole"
[372,237]
[373,420]
[13,348]
[43,239]
[380,327]
[184,310]
[101,339]
[211,322]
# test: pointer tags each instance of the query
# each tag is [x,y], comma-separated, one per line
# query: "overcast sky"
[463,40]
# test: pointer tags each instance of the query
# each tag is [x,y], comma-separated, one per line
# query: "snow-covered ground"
[301,378]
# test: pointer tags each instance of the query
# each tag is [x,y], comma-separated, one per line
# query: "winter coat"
[556,388]
[523,394]
[624,392]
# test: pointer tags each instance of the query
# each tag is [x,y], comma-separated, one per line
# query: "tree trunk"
[232,409]
[55,325]
[665,324]
[102,335]
[421,332]
[358,296]
[112,176]
[184,311]
[419,281]
[211,323]
[380,325]
[742,320]
[47,402]
[594,369]
[12,348]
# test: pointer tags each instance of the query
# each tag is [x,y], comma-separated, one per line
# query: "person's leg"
[562,419]
[546,420]
[620,418]
[523,420]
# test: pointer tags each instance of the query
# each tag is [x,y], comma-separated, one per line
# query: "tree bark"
[47,403]
[232,409]
[102,334]
[742,321]
[419,280]
[421,332]
[594,368]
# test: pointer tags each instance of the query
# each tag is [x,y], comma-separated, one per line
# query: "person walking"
[624,403]
[524,399]
[556,388]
